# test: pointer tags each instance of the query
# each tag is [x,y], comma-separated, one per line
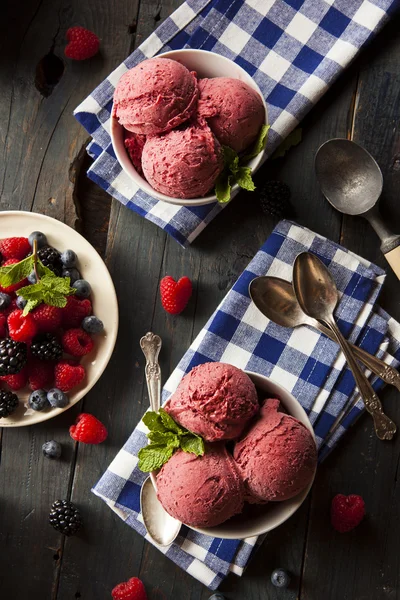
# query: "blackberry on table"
[275,199]
[65,517]
[46,347]
[13,356]
[8,403]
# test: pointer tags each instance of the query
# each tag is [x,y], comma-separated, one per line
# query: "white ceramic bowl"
[206,64]
[269,516]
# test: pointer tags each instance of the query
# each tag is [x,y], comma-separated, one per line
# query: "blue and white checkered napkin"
[293,49]
[304,361]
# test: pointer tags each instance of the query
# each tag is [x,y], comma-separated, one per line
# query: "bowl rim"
[277,390]
[116,132]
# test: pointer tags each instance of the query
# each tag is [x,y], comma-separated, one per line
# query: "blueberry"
[5,300]
[72,273]
[83,288]
[38,400]
[69,258]
[92,325]
[217,596]
[52,449]
[57,398]
[39,237]
[280,578]
[21,302]
[32,277]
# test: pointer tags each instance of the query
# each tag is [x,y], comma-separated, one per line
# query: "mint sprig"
[166,436]
[235,170]
[293,139]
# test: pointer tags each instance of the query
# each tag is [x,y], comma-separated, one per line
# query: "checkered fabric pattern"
[304,361]
[293,49]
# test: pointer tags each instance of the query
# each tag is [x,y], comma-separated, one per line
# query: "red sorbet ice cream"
[134,144]
[277,458]
[155,96]
[233,110]
[201,491]
[183,163]
[215,400]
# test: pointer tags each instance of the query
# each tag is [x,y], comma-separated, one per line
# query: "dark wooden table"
[42,169]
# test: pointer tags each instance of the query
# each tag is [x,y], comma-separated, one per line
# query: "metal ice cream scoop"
[352,182]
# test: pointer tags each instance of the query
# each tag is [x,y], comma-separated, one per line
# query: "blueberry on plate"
[92,324]
[72,273]
[52,449]
[40,238]
[38,400]
[69,258]
[280,578]
[32,277]
[83,288]
[5,300]
[57,398]
[21,302]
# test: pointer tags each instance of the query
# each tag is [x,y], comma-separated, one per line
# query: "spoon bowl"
[161,527]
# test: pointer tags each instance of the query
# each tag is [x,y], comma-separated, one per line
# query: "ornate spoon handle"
[151,346]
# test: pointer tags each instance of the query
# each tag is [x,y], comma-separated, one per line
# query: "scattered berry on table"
[21,329]
[280,578]
[75,311]
[50,258]
[82,288]
[175,294]
[72,273]
[3,325]
[57,398]
[5,300]
[275,199]
[21,302]
[18,381]
[32,279]
[40,374]
[65,517]
[68,374]
[13,356]
[40,238]
[347,512]
[82,44]
[51,449]
[8,403]
[45,346]
[69,258]
[15,247]
[88,430]
[217,596]
[38,400]
[77,342]
[133,589]
[92,324]
[16,286]
[47,318]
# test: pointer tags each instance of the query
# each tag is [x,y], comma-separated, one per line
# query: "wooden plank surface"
[42,169]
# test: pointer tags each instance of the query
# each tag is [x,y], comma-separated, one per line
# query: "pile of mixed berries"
[46,325]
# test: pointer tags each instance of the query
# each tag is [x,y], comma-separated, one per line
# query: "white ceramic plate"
[104,300]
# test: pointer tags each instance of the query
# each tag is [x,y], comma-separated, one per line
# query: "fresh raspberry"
[77,342]
[133,589]
[3,325]
[15,247]
[347,512]
[21,329]
[83,43]
[40,374]
[18,381]
[47,318]
[75,311]
[175,294]
[88,430]
[16,286]
[68,374]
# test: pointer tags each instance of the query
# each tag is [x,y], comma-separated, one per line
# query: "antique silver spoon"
[317,295]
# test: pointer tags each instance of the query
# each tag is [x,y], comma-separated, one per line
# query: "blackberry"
[46,347]
[50,258]
[65,517]
[13,356]
[8,403]
[275,199]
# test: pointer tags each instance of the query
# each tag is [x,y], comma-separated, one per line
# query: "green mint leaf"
[15,273]
[153,457]
[169,422]
[259,144]
[50,290]
[30,305]
[31,292]
[192,443]
[231,159]
[57,300]
[223,187]
[243,178]
[168,438]
[292,139]
[153,422]
[43,271]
